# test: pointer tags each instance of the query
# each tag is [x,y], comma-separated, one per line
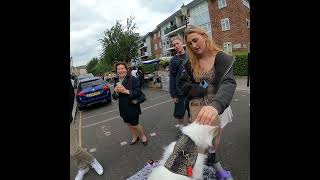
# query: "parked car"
[91,91]
[80,77]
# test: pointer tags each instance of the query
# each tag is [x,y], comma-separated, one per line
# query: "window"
[225,24]
[246,3]
[154,36]
[156,46]
[248,23]
[199,14]
[159,45]
[222,4]
[227,47]
[207,28]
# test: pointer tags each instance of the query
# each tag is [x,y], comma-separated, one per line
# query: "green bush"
[148,68]
[164,63]
[240,67]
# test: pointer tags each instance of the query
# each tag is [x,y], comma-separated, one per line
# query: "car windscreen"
[92,83]
[85,76]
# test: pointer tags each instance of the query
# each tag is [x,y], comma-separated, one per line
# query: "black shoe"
[211,159]
[132,143]
[145,143]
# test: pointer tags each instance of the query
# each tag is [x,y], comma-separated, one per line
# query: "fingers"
[200,117]
[207,115]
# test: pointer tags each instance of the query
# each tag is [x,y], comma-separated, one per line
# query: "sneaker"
[211,160]
[224,175]
[97,167]
[81,173]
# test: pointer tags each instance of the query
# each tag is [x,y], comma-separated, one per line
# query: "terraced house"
[226,21]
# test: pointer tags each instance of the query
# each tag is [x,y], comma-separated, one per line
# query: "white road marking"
[153,134]
[108,133]
[93,150]
[80,130]
[123,143]
[116,117]
[115,110]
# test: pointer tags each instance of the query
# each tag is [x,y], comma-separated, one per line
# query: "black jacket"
[175,63]
[226,84]
[127,109]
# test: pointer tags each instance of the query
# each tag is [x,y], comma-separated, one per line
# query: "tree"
[91,64]
[120,43]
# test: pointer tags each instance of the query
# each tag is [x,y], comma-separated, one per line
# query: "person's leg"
[134,133]
[141,133]
[81,157]
[213,160]
[135,124]
[76,154]
[179,111]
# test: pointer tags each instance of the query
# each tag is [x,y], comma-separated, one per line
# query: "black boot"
[211,160]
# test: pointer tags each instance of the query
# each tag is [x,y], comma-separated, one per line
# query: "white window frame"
[248,23]
[207,27]
[227,47]
[225,24]
[222,4]
[246,3]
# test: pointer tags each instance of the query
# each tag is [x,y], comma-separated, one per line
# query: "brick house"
[230,24]
[155,38]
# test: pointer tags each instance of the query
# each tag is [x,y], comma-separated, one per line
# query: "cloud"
[90,18]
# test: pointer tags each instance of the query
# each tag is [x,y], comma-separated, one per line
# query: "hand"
[207,115]
[116,89]
[175,100]
[122,89]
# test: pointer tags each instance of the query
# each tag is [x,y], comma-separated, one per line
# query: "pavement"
[242,83]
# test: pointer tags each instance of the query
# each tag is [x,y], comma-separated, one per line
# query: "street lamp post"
[184,12]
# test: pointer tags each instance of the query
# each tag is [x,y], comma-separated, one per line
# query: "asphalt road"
[107,138]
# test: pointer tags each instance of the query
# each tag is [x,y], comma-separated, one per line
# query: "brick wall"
[156,53]
[237,14]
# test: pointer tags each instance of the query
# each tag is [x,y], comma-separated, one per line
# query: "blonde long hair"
[211,48]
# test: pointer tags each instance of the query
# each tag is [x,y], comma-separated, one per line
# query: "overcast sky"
[90,18]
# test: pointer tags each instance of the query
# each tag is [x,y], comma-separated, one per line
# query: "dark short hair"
[121,63]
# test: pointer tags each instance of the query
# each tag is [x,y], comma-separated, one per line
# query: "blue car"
[91,91]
